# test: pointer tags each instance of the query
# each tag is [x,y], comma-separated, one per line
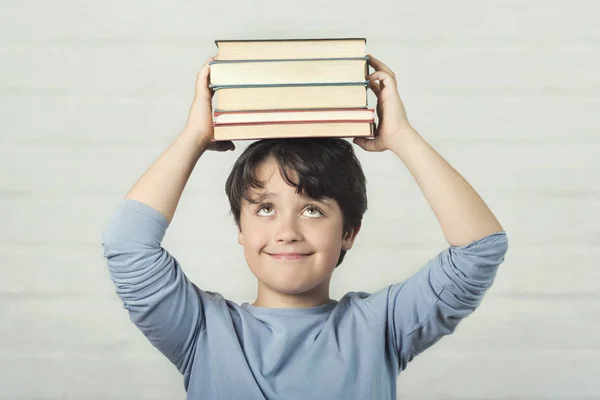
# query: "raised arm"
[431,303]
[462,214]
[163,304]
[162,184]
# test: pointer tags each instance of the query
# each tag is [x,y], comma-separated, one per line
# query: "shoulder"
[367,305]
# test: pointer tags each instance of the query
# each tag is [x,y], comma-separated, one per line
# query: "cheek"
[255,239]
[326,238]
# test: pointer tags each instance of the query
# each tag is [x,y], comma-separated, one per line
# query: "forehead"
[268,173]
[269,167]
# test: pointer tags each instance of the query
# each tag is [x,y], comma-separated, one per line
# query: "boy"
[297,216]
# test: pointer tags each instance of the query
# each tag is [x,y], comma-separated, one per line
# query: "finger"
[205,69]
[366,144]
[384,80]
[381,76]
[375,88]
[378,65]
[379,110]
[203,78]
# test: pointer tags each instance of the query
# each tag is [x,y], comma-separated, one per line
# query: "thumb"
[203,89]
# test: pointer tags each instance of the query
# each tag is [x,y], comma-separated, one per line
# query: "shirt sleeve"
[431,303]
[161,301]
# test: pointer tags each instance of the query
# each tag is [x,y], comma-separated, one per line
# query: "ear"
[240,236]
[349,238]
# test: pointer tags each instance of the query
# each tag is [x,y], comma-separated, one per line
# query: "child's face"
[291,242]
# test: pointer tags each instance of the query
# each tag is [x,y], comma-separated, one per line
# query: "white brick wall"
[507,91]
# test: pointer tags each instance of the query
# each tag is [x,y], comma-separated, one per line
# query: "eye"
[265,210]
[313,212]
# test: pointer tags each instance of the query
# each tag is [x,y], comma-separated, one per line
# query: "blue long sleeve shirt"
[353,348]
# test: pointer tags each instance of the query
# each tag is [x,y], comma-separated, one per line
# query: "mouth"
[290,256]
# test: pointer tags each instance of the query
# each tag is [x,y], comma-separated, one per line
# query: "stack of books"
[290,88]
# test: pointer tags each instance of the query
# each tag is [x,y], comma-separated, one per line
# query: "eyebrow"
[262,197]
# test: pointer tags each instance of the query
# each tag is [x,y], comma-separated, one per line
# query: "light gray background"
[91,92]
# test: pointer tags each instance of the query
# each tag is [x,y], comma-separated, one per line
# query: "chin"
[290,278]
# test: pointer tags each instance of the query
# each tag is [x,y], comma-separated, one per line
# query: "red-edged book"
[250,125]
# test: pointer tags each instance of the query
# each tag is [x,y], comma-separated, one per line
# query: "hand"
[200,119]
[390,109]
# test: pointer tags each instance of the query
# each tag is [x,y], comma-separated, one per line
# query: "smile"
[290,256]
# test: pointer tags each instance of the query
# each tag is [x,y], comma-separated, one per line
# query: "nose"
[288,229]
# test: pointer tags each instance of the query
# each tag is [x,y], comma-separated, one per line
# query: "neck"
[270,298]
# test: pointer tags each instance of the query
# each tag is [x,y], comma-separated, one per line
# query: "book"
[293,123]
[343,95]
[275,116]
[290,89]
[292,130]
[290,48]
[288,72]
